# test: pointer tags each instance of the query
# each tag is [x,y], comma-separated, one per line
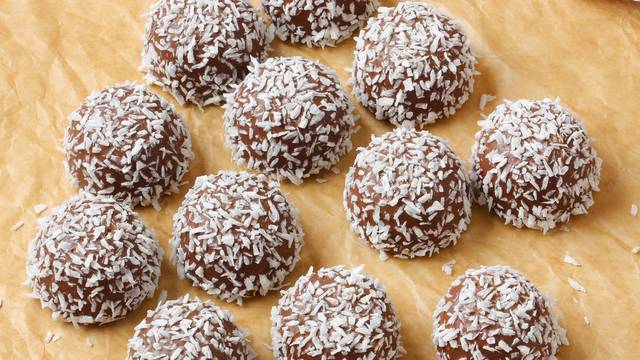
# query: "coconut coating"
[318,22]
[407,194]
[129,143]
[289,118]
[198,50]
[335,313]
[93,260]
[412,65]
[496,313]
[189,329]
[534,165]
[236,235]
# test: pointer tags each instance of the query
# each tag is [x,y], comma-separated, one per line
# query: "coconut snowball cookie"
[318,22]
[289,118]
[93,261]
[412,65]
[335,313]
[189,329]
[236,235]
[533,164]
[407,194]
[198,49]
[496,313]
[127,142]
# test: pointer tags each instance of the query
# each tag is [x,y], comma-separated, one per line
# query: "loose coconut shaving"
[189,329]
[198,49]
[236,235]
[127,142]
[93,261]
[495,313]
[533,164]
[318,22]
[289,118]
[412,65]
[407,194]
[335,313]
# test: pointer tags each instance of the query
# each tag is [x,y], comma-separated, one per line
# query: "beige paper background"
[53,53]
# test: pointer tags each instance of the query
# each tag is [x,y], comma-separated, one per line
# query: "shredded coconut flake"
[447,268]
[485,99]
[40,208]
[17,226]
[634,210]
[571,261]
[576,285]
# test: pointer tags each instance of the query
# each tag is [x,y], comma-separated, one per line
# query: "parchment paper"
[53,53]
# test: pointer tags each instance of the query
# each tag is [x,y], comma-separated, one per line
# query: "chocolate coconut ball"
[533,164]
[318,22]
[93,261]
[198,50]
[335,313]
[495,313]
[236,236]
[189,329]
[412,65]
[289,118]
[129,143]
[407,194]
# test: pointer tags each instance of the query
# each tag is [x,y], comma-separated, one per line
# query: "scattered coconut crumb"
[634,210]
[89,342]
[586,320]
[40,208]
[447,267]
[17,226]
[48,337]
[321,180]
[485,99]
[335,170]
[564,228]
[163,296]
[576,285]
[383,256]
[636,250]
[575,301]
[571,261]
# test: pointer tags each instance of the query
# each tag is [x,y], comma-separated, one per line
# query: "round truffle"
[236,235]
[335,313]
[289,118]
[496,313]
[318,22]
[189,329]
[533,164]
[129,143]
[198,50]
[407,194]
[412,65]
[93,261]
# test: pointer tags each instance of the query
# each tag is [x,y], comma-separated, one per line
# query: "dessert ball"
[335,313]
[236,236]
[129,143]
[318,22]
[189,329]
[93,261]
[412,65]
[533,164]
[495,313]
[289,118]
[407,194]
[198,50]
